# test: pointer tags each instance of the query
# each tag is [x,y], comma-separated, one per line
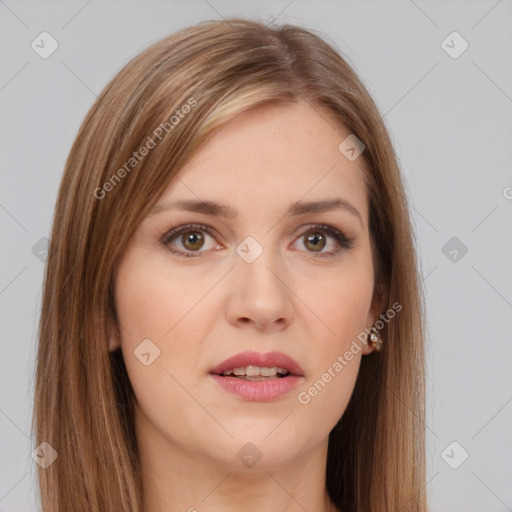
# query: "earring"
[374,339]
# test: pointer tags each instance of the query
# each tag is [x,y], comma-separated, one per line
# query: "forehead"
[272,156]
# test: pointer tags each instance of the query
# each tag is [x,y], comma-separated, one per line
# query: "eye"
[192,239]
[315,238]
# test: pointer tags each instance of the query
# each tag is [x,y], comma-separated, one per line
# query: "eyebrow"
[226,211]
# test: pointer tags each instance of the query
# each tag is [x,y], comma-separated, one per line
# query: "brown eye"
[318,237]
[192,240]
[315,241]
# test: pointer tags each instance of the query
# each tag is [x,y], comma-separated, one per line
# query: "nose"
[260,294]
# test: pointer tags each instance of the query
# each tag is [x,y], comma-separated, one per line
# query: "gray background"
[451,123]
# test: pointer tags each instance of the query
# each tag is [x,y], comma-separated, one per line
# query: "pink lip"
[258,391]
[268,360]
[263,390]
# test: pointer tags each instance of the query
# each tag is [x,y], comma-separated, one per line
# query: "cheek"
[340,307]
[156,302]
[335,360]
[155,310]
[327,394]
[152,298]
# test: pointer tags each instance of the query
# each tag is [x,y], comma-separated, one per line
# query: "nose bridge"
[258,261]
[260,291]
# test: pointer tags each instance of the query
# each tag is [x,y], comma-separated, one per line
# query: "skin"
[201,310]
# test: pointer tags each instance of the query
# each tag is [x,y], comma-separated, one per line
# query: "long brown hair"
[82,396]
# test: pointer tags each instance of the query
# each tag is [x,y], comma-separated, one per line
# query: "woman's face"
[262,280]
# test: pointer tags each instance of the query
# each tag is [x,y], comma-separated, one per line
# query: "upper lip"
[268,360]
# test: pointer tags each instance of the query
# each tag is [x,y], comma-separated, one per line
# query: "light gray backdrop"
[449,111]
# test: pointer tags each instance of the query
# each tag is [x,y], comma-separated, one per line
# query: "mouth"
[254,366]
[256,377]
[256,373]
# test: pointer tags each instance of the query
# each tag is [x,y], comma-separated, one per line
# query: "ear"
[373,316]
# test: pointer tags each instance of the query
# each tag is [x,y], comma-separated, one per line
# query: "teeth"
[256,371]
[258,377]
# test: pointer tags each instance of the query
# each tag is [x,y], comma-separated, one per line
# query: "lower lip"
[260,390]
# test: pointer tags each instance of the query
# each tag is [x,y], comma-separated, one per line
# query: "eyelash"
[342,241]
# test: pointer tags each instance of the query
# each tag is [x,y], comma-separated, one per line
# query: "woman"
[232,316]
